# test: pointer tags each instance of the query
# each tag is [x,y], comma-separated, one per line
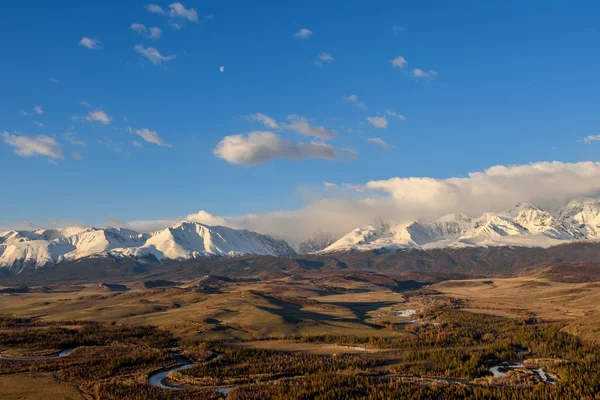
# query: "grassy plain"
[37,386]
[531,296]
[229,311]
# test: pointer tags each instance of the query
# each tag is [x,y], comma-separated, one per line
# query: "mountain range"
[524,225]
[184,240]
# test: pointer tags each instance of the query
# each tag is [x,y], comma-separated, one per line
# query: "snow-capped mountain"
[317,241]
[194,240]
[21,249]
[522,225]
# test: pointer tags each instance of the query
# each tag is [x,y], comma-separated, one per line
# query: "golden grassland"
[37,386]
[530,296]
[243,311]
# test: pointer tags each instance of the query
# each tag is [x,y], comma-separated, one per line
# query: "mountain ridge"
[523,225]
[183,240]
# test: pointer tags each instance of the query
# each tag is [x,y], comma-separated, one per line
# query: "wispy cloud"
[178,10]
[54,80]
[90,43]
[303,33]
[149,136]
[152,33]
[155,9]
[260,147]
[380,142]
[590,139]
[41,145]
[137,144]
[396,115]
[301,125]
[37,109]
[76,155]
[175,25]
[419,73]
[265,120]
[378,122]
[72,138]
[323,58]
[397,29]
[152,54]
[38,123]
[399,62]
[110,144]
[353,98]
[98,116]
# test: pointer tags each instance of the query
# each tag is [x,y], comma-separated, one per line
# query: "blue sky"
[514,82]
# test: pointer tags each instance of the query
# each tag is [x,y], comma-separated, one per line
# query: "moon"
[222,69]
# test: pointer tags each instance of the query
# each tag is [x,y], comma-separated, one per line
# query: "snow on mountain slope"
[523,225]
[19,249]
[317,241]
[194,240]
[582,216]
[22,249]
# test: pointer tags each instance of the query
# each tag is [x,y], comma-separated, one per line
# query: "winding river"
[159,379]
[499,371]
[63,353]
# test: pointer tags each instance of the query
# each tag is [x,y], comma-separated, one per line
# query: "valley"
[342,334]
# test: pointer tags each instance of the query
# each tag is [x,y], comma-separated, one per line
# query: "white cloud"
[38,109]
[54,80]
[323,57]
[547,184]
[399,62]
[137,144]
[419,73]
[153,33]
[301,125]
[85,104]
[98,116]
[222,68]
[260,147]
[348,151]
[380,142]
[178,10]
[378,122]
[155,9]
[590,139]
[152,54]
[303,33]
[394,114]
[38,123]
[329,185]
[353,98]
[41,145]
[76,155]
[149,136]
[265,120]
[89,43]
[72,138]
[175,25]
[139,28]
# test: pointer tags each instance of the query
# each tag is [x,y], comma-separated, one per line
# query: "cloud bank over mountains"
[343,207]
